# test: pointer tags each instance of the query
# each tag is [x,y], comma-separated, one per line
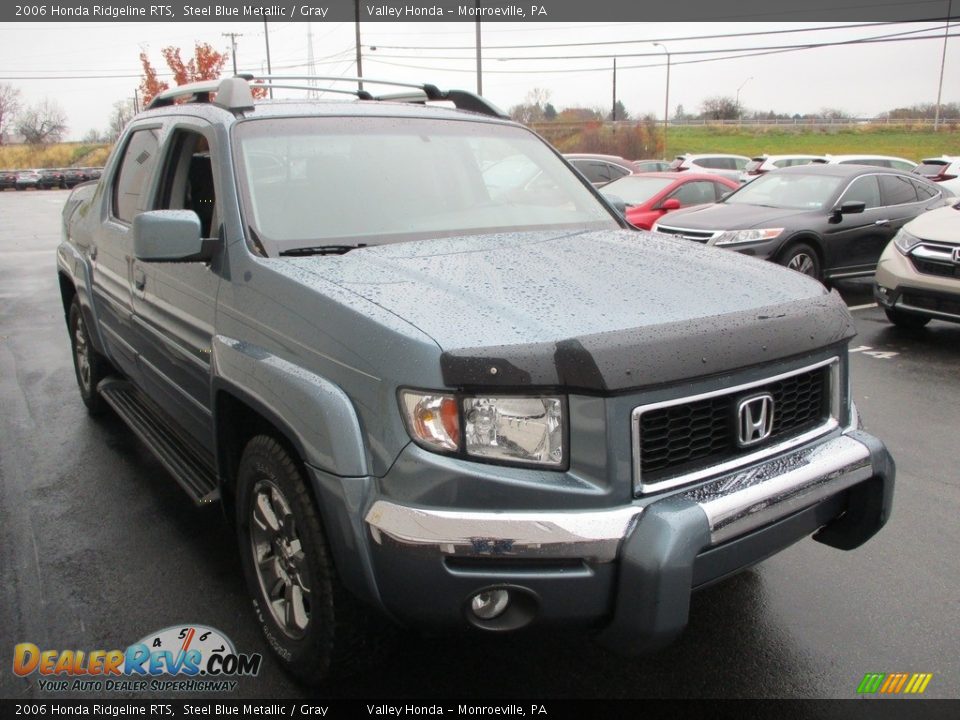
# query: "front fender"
[318,415]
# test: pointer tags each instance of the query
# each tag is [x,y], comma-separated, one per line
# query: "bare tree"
[123,112]
[719,108]
[9,105]
[43,123]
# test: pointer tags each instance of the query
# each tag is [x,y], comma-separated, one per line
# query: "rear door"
[129,190]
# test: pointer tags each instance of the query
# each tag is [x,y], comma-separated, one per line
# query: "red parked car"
[650,196]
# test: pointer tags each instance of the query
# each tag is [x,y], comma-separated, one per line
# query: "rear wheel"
[905,319]
[303,610]
[90,366]
[802,258]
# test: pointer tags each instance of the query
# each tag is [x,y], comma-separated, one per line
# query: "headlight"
[513,430]
[904,241]
[732,237]
[527,430]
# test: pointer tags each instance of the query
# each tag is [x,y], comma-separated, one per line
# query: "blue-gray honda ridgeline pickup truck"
[428,369]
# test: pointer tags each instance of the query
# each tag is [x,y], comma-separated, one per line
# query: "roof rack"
[234,93]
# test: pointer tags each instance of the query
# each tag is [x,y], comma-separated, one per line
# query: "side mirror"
[851,207]
[169,236]
[670,204]
[619,204]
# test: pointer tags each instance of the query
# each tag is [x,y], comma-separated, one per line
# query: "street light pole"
[666,99]
[613,112]
[739,111]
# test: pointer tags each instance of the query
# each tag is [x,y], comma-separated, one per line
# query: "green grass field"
[899,141]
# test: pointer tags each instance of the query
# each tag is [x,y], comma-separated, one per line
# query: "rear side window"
[925,191]
[136,169]
[695,193]
[617,172]
[897,190]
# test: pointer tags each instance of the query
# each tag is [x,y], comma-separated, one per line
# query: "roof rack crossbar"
[234,93]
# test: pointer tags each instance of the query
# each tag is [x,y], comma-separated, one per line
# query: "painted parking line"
[871,352]
[861,307]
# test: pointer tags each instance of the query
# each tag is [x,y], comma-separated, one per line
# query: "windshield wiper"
[323,250]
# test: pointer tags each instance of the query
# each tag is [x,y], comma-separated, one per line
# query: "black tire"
[313,633]
[906,320]
[802,258]
[90,366]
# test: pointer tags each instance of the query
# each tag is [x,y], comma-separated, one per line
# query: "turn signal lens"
[432,420]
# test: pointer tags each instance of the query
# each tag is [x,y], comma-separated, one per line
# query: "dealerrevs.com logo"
[182,658]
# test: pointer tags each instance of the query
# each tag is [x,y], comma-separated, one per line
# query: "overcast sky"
[863,80]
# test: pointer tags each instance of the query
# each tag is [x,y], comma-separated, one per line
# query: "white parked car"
[714,163]
[887,161]
[765,163]
[944,170]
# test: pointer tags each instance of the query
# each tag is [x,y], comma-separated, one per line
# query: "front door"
[174,302]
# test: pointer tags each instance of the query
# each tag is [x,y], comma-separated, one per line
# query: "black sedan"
[826,221]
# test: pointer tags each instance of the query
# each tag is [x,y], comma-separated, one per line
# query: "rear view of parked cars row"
[46,178]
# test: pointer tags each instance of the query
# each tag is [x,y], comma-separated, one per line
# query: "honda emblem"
[754,419]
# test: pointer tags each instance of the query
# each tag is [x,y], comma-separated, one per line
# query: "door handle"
[882,222]
[139,279]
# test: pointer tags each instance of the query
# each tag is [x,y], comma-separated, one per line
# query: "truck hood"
[591,310]
[721,216]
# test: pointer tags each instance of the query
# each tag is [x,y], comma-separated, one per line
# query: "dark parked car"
[650,196]
[51,178]
[826,221]
[8,179]
[601,169]
[74,176]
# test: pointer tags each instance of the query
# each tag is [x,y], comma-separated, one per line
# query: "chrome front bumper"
[734,504]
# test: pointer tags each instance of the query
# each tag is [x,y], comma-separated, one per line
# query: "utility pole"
[479,59]
[943,61]
[136,101]
[666,100]
[266,37]
[233,45]
[356,9]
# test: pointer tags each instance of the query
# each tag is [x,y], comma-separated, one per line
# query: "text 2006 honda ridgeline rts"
[427,368]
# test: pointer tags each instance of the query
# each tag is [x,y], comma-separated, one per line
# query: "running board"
[188,465]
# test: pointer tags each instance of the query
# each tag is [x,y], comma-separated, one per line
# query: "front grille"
[684,437]
[929,267]
[701,236]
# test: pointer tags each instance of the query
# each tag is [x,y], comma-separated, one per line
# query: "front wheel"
[302,609]
[802,258]
[906,320]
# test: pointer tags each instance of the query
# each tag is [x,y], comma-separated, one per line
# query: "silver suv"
[918,278]
[729,166]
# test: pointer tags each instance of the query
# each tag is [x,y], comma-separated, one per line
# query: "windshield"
[636,189]
[790,191]
[310,182]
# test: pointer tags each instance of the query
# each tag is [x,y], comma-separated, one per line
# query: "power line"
[647,41]
[604,68]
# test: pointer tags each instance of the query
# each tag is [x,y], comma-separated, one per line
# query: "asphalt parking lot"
[99,547]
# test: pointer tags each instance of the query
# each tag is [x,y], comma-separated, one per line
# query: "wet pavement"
[99,547]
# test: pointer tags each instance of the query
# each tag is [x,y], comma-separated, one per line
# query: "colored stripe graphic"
[871,682]
[894,683]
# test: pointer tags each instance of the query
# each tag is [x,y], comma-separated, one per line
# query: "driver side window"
[188,180]
[864,189]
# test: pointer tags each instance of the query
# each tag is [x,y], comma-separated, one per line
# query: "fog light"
[490,604]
